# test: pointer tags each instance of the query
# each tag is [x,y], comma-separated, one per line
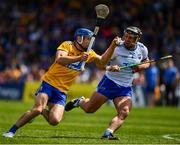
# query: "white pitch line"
[169,136]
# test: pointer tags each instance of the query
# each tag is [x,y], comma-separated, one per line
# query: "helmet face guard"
[82,33]
[133,32]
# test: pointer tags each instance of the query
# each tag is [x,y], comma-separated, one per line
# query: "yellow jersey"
[62,77]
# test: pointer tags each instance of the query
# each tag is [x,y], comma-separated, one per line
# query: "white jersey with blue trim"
[124,57]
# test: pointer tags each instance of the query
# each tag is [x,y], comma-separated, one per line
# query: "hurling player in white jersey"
[117,84]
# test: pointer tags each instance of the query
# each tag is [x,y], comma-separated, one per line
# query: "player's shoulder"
[65,46]
[120,47]
[67,43]
[141,45]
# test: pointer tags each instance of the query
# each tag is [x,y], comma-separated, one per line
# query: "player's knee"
[124,113]
[89,109]
[54,121]
[37,110]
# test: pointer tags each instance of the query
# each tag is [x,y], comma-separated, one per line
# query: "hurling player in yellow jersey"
[60,76]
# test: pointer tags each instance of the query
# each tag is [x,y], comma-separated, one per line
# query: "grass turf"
[143,126]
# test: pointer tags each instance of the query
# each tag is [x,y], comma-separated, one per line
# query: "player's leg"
[94,103]
[88,105]
[54,114]
[123,106]
[97,99]
[40,104]
[56,103]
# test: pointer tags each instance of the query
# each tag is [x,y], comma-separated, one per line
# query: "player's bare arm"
[142,66]
[104,58]
[63,58]
[116,68]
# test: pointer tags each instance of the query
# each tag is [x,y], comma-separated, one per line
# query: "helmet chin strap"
[80,44]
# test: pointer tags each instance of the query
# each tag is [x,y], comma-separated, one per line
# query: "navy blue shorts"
[55,95]
[112,90]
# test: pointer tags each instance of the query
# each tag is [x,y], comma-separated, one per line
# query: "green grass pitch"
[143,126]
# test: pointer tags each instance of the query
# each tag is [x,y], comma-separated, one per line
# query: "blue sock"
[13,128]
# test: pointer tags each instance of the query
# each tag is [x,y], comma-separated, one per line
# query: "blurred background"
[31,31]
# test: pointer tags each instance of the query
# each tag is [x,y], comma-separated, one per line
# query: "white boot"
[8,134]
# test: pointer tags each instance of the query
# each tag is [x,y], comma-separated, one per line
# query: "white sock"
[110,130]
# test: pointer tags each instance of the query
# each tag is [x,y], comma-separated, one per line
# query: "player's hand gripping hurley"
[150,61]
[118,68]
[101,11]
